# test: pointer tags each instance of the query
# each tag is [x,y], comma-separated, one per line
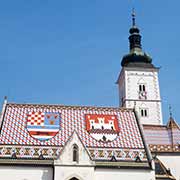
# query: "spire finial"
[133,17]
[170,110]
[135,37]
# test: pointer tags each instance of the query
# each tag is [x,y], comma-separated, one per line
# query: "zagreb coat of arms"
[102,127]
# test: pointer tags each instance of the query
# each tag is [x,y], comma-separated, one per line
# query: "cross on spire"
[170,110]
[133,17]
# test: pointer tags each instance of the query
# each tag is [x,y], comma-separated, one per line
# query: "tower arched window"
[144,112]
[75,153]
[142,87]
[142,91]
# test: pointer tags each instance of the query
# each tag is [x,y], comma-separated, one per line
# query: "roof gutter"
[3,111]
[149,156]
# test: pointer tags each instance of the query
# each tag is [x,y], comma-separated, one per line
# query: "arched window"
[142,88]
[75,153]
[74,178]
[142,91]
[144,112]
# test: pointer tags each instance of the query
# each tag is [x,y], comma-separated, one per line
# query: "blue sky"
[69,52]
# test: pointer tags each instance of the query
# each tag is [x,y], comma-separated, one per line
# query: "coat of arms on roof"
[43,125]
[102,127]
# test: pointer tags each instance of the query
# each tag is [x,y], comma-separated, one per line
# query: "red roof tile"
[14,131]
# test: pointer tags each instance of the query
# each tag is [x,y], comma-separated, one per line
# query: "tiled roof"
[163,138]
[15,136]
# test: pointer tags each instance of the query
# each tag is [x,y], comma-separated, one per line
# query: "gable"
[66,157]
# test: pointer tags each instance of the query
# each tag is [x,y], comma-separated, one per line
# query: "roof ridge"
[69,106]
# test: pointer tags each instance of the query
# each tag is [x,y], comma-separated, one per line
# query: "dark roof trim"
[26,162]
[3,114]
[149,157]
[141,68]
[123,165]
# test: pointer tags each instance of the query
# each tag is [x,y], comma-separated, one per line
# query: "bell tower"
[138,81]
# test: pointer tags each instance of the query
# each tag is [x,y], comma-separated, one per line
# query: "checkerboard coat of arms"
[102,127]
[43,125]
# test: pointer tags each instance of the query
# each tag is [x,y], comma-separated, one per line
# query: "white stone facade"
[68,172]
[139,88]
[22,172]
[127,174]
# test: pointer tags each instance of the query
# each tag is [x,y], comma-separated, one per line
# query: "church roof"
[17,133]
[163,138]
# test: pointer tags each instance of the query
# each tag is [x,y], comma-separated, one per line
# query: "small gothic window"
[142,92]
[102,127]
[75,153]
[144,112]
[142,88]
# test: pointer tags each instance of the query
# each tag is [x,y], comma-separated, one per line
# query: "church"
[59,142]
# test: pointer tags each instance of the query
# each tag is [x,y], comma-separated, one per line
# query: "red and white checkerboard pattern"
[35,118]
[14,131]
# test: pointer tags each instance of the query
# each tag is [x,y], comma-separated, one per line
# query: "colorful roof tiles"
[163,138]
[27,129]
